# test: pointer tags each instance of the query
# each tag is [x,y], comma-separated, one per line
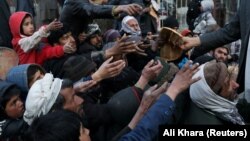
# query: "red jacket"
[34,54]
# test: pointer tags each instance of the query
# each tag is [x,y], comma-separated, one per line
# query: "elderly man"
[213,96]
[237,28]
[130,26]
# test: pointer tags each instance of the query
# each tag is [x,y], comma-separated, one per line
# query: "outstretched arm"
[162,110]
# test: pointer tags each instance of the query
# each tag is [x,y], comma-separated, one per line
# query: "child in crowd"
[26,41]
[12,126]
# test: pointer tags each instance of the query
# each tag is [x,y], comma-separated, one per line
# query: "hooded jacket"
[18,75]
[4,86]
[10,128]
[27,46]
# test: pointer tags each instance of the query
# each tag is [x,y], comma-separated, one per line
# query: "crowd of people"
[77,82]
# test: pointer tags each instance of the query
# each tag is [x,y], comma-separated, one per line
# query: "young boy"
[25,41]
[12,126]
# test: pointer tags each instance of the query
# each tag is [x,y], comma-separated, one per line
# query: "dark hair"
[171,22]
[224,47]
[60,125]
[58,105]
[5,98]
[60,100]
[32,70]
[66,83]
[76,67]
[55,35]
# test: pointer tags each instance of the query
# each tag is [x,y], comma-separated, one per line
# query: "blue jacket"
[147,129]
[18,76]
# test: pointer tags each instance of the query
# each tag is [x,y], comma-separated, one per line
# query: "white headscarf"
[126,28]
[207,5]
[41,97]
[204,97]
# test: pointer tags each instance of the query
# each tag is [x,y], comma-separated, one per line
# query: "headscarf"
[204,97]
[127,29]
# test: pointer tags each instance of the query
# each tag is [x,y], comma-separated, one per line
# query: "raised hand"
[152,69]
[183,79]
[54,25]
[149,72]
[189,42]
[148,99]
[68,48]
[84,86]
[150,95]
[131,9]
[124,47]
[108,69]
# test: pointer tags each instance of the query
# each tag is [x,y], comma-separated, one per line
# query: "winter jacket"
[5,34]
[18,75]
[197,116]
[147,129]
[79,13]
[90,52]
[55,66]
[124,2]
[27,46]
[106,120]
[11,129]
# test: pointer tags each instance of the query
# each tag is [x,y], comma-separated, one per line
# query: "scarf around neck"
[204,97]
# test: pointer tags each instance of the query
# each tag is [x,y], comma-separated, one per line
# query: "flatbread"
[169,42]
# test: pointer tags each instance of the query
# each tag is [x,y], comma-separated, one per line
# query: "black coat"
[5,34]
[197,116]
[79,13]
[147,24]
[16,129]
[106,120]
[117,24]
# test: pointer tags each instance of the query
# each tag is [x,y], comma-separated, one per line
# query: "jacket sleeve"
[124,131]
[113,2]
[160,113]
[28,43]
[227,34]
[85,9]
[49,52]
[124,2]
[12,128]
